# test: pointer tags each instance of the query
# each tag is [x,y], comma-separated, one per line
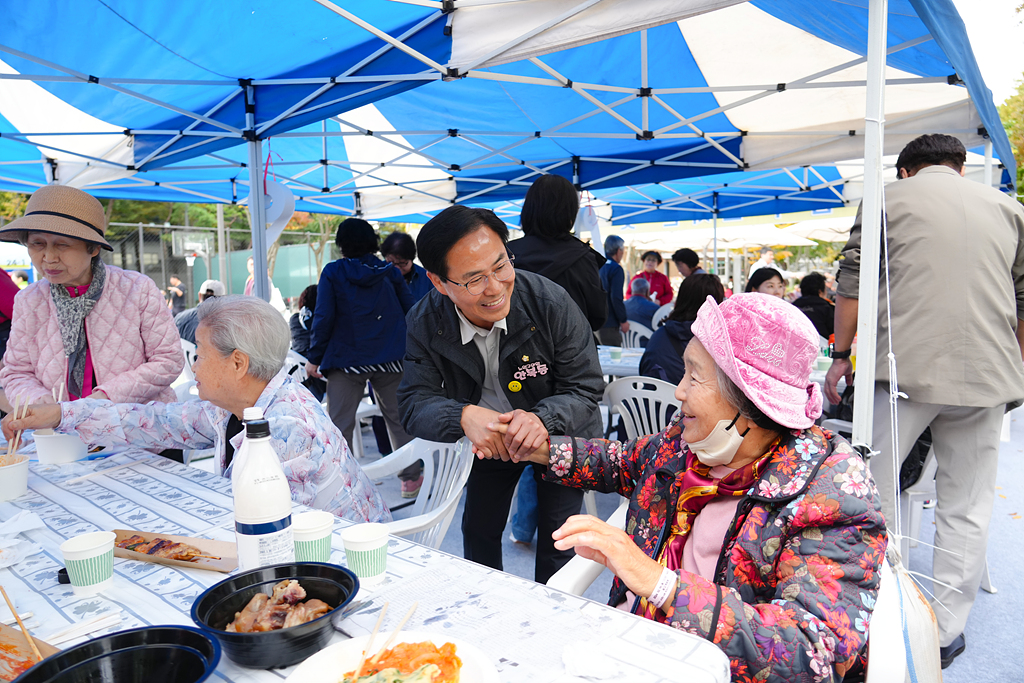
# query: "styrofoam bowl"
[14,479]
[57,449]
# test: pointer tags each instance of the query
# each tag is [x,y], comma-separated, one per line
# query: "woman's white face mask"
[720,445]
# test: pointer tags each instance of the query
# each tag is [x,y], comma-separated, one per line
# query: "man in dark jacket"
[814,305]
[494,345]
[613,279]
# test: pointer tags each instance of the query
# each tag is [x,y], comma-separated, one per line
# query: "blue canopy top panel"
[153,61]
[759,85]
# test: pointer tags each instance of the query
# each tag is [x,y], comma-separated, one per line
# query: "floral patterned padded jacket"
[797,577]
[320,468]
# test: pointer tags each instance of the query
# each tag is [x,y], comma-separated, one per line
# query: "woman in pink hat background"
[747,525]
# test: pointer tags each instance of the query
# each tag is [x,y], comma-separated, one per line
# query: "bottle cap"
[253,413]
[257,429]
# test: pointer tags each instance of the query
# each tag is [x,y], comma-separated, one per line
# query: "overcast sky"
[997,36]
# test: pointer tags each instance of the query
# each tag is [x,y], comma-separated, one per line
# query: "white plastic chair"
[296,365]
[660,315]
[186,376]
[578,573]
[435,505]
[636,333]
[365,410]
[645,404]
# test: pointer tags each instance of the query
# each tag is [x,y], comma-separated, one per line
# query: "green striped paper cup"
[312,534]
[89,559]
[366,551]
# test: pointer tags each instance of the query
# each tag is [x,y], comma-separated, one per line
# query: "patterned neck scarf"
[698,488]
[71,314]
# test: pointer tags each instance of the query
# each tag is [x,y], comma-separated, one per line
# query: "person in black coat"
[301,324]
[815,306]
[663,356]
[550,249]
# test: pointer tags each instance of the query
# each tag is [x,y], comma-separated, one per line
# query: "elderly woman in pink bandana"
[748,525]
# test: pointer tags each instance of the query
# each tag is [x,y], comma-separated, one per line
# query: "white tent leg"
[714,264]
[222,254]
[988,163]
[258,222]
[871,216]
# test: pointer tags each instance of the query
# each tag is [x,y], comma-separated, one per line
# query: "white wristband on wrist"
[667,582]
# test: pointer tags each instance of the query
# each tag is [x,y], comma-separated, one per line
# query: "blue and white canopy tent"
[112,89]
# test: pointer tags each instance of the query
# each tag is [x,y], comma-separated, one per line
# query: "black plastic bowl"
[154,654]
[215,609]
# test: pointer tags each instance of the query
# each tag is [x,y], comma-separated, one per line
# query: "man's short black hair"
[687,257]
[651,254]
[932,150]
[400,245]
[812,285]
[442,231]
[550,208]
[356,238]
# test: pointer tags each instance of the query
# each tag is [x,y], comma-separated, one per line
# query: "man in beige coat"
[956,271]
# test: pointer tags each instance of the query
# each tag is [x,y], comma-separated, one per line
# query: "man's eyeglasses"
[503,272]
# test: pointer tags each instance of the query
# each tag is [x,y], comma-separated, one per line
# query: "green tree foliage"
[1012,114]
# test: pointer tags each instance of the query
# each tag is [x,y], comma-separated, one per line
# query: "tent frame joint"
[645,92]
[645,135]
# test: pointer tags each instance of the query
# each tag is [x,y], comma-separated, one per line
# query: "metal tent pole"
[142,250]
[714,206]
[871,224]
[988,163]
[257,202]
[222,253]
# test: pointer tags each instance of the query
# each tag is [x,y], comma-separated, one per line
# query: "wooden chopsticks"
[394,634]
[15,443]
[369,643]
[28,636]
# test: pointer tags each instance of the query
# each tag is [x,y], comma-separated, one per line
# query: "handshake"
[518,436]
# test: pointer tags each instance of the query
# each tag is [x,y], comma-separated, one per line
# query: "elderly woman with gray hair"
[241,346]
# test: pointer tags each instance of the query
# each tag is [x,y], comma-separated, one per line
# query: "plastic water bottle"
[238,462]
[263,503]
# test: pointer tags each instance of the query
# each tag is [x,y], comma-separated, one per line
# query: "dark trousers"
[488,499]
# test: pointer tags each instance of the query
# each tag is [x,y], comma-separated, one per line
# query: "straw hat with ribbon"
[60,210]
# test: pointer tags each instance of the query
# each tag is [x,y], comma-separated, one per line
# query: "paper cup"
[14,478]
[312,534]
[366,551]
[89,559]
[57,449]
[616,354]
[824,363]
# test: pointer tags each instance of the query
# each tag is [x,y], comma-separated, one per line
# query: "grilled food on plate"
[160,547]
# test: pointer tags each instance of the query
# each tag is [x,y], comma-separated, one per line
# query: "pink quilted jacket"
[136,351]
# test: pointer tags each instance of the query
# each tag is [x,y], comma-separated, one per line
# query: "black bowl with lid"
[154,654]
[216,608]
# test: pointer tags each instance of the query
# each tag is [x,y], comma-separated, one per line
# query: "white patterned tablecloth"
[526,628]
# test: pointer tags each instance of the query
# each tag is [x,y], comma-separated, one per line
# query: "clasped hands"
[515,436]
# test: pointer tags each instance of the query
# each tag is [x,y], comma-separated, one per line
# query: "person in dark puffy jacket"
[549,248]
[815,306]
[359,335]
[663,355]
[301,324]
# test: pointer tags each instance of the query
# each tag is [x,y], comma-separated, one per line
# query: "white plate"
[328,665]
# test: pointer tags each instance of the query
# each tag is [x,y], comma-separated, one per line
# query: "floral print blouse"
[797,576]
[320,468]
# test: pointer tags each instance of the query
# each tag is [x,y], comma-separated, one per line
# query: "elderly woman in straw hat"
[241,345]
[94,329]
[747,524]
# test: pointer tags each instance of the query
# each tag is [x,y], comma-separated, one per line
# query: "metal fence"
[193,255]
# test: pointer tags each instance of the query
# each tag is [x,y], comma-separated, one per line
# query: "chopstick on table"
[17,437]
[10,444]
[394,634]
[103,471]
[28,636]
[369,643]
